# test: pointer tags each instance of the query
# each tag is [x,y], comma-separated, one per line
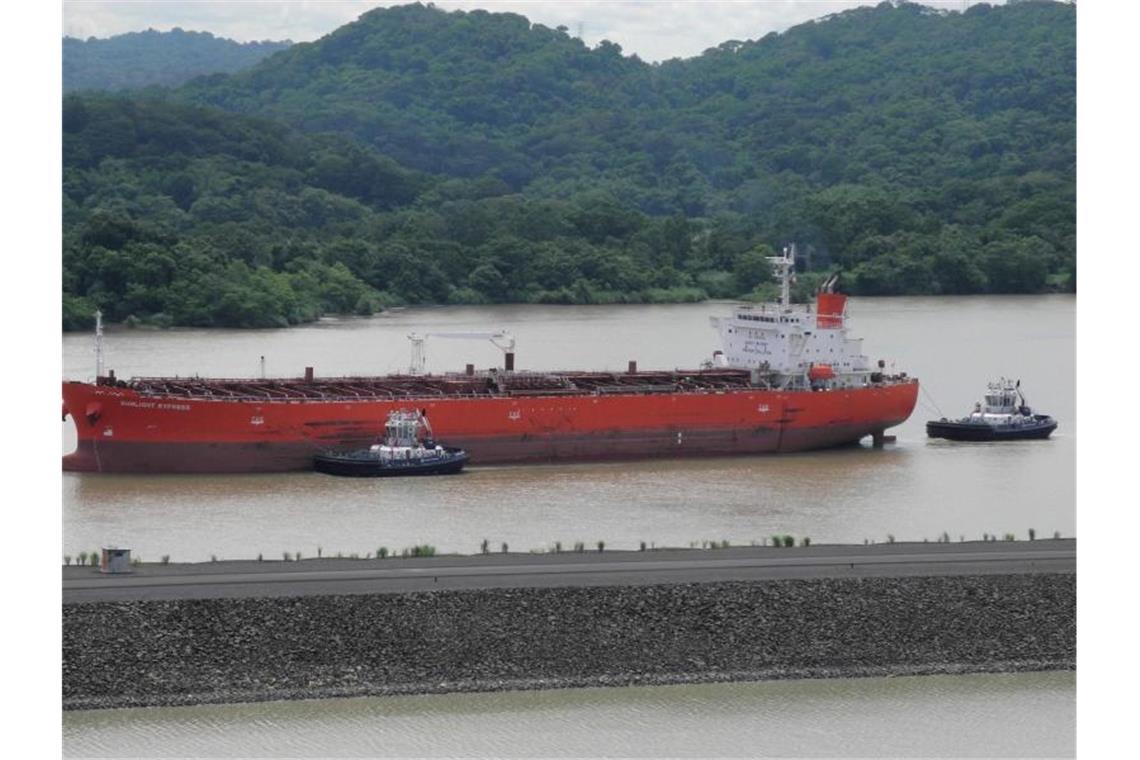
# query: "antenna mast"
[98,344]
[783,266]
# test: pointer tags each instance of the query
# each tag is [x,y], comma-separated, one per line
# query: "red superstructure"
[795,382]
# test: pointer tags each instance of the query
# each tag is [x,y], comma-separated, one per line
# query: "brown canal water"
[915,489]
[1015,715]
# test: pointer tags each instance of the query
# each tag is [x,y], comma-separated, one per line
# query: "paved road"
[250,579]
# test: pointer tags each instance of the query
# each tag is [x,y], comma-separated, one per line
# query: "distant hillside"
[474,157]
[139,59]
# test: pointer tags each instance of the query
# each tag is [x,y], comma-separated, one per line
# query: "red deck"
[190,425]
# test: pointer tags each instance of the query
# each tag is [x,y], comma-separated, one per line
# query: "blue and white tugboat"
[1004,417]
[408,449]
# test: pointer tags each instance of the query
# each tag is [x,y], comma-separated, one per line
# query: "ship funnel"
[829,309]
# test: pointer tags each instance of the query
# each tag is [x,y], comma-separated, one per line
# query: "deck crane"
[501,338]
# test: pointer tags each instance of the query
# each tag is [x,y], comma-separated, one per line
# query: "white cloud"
[653,29]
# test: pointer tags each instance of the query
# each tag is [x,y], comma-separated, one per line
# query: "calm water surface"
[1022,715]
[916,489]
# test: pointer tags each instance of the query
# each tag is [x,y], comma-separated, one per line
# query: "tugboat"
[403,452]
[1005,417]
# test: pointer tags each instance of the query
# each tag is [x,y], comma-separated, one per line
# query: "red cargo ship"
[789,379]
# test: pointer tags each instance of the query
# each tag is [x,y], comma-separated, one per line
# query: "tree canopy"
[468,157]
[139,59]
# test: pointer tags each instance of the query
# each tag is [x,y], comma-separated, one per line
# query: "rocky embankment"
[120,654]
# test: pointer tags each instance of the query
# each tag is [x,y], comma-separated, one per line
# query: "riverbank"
[315,645]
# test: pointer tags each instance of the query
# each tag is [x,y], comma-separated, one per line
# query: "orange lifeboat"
[821,372]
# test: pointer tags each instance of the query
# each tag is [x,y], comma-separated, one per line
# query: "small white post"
[263,367]
[98,343]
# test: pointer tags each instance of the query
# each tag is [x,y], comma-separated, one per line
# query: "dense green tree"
[422,156]
[138,59]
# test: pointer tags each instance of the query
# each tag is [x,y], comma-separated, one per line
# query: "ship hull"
[1042,428]
[120,430]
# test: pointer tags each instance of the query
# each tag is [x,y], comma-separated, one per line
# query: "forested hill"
[918,151]
[138,59]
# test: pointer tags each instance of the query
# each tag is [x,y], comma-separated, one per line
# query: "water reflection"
[1017,715]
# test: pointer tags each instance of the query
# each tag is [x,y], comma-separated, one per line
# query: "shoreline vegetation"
[775,541]
[418,156]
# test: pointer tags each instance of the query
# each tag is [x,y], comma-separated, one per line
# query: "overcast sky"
[653,29]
